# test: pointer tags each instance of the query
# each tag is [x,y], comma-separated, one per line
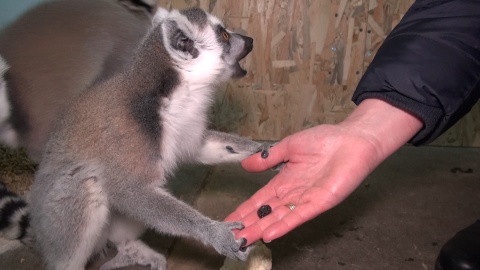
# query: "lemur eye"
[225,35]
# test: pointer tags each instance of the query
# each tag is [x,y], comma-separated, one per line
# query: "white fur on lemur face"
[197,38]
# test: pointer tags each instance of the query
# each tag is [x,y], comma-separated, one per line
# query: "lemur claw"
[265,152]
[265,149]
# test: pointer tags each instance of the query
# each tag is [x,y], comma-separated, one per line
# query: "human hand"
[325,164]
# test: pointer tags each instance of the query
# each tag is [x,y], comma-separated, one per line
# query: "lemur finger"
[236,226]
[265,149]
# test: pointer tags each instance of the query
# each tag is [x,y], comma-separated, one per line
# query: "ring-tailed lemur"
[103,170]
[53,53]
[56,50]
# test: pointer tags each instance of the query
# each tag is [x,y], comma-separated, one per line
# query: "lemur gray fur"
[102,174]
[54,51]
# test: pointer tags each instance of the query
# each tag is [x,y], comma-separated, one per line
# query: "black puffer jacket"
[429,65]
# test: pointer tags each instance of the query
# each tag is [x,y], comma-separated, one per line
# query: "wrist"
[382,125]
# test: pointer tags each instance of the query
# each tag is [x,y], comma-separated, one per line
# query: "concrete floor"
[398,219]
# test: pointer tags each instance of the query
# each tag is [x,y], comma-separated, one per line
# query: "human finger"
[250,221]
[262,196]
[289,221]
[257,228]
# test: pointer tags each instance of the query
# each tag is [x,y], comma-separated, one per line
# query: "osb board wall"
[307,59]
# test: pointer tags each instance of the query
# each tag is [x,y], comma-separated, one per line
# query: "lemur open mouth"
[239,71]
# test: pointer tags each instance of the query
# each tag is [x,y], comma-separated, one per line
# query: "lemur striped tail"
[14,220]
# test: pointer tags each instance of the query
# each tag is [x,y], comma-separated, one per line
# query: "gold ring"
[290,206]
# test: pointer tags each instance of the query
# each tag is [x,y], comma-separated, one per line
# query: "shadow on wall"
[11,9]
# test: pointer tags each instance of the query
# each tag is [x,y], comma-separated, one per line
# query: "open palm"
[324,165]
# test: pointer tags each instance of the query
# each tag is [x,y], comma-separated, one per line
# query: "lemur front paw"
[245,147]
[223,240]
[222,147]
[265,152]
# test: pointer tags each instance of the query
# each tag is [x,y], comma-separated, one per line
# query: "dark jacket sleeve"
[429,65]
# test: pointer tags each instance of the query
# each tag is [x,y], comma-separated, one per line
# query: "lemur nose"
[248,46]
[249,41]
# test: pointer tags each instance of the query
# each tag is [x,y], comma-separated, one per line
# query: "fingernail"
[266,242]
[243,242]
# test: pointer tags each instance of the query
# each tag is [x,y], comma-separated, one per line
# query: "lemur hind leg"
[124,234]
[220,147]
[69,233]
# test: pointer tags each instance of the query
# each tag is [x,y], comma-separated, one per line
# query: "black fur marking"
[9,209]
[225,43]
[24,224]
[196,16]
[182,43]
[145,112]
[145,107]
[248,42]
[179,41]
[230,149]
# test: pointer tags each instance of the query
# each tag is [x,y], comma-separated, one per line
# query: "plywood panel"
[307,60]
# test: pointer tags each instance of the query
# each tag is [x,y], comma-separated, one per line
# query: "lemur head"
[200,46]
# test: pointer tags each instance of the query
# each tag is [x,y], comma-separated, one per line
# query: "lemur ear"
[179,40]
[184,44]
